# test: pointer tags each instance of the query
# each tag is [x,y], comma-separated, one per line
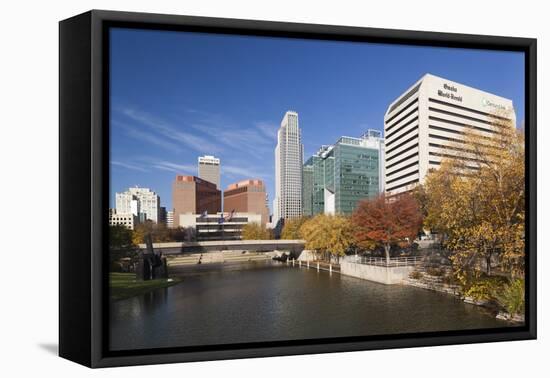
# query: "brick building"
[247,196]
[191,194]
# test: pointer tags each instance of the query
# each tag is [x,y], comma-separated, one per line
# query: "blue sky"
[178,95]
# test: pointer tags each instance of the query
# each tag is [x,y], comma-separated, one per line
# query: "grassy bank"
[125,285]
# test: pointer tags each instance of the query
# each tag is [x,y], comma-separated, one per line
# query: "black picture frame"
[84,172]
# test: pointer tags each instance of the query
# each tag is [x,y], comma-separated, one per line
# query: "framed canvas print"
[234,188]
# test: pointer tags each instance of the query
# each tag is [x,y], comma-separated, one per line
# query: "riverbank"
[432,279]
[271,301]
[314,264]
[436,283]
[125,285]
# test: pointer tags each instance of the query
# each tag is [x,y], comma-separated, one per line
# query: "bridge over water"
[175,248]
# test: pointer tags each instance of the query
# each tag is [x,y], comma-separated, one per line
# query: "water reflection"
[261,301]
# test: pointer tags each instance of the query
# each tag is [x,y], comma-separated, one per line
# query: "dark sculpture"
[151,265]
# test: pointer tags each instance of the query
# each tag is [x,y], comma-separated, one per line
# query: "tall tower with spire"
[288,169]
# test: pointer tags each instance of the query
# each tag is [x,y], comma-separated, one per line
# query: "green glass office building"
[341,175]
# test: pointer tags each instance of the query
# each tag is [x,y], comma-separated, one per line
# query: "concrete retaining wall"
[306,255]
[381,274]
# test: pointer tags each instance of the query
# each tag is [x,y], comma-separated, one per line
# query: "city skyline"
[205,110]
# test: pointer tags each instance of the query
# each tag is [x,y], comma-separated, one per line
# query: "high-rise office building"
[307,190]
[162,215]
[247,196]
[209,169]
[192,195]
[141,202]
[427,123]
[170,219]
[288,169]
[126,203]
[344,174]
[321,164]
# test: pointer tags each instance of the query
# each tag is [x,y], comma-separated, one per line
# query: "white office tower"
[141,202]
[209,169]
[427,124]
[288,169]
[126,203]
[170,219]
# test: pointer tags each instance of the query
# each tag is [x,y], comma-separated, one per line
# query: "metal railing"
[392,262]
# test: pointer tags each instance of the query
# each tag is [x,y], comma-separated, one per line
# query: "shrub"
[255,231]
[437,272]
[512,297]
[416,275]
[449,279]
[485,288]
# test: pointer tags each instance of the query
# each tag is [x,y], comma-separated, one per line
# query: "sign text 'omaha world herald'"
[449,92]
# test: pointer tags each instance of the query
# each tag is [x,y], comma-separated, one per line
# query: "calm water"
[271,301]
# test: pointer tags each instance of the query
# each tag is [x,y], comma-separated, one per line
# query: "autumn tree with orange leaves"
[384,222]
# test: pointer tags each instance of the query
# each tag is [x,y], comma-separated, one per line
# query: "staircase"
[433,282]
[215,257]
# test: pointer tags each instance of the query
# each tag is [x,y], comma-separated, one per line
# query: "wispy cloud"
[242,139]
[241,171]
[146,164]
[268,129]
[173,167]
[248,140]
[132,166]
[211,133]
[170,131]
[147,137]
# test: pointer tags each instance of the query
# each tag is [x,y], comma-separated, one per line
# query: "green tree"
[255,231]
[120,238]
[160,233]
[291,228]
[140,230]
[328,234]
[121,244]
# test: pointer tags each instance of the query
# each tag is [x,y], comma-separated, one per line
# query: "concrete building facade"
[209,169]
[142,202]
[170,219]
[289,154]
[427,124]
[247,196]
[193,195]
[127,220]
[220,226]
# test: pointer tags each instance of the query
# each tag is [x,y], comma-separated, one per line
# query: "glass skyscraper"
[344,174]
[307,190]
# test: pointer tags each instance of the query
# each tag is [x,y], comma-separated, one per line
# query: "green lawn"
[125,285]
